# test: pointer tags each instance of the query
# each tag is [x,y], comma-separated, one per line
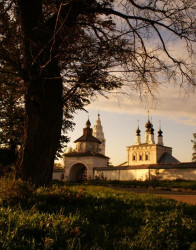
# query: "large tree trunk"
[43,119]
[42,130]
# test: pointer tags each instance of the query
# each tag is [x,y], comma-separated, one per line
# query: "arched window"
[134,157]
[140,157]
[147,156]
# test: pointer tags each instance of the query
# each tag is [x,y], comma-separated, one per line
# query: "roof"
[87,137]
[122,164]
[167,158]
[58,170]
[88,153]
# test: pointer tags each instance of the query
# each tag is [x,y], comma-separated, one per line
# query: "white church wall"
[142,151]
[106,174]
[100,162]
[161,150]
[90,162]
[134,174]
[173,174]
[122,175]
[146,174]
[154,153]
[58,174]
[71,161]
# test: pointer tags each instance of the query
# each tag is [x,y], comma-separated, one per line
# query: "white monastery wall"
[173,174]
[131,174]
[146,174]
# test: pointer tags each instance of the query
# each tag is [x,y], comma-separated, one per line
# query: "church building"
[149,152]
[89,153]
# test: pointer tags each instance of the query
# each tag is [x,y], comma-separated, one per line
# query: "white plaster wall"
[123,175]
[87,146]
[161,150]
[89,162]
[173,174]
[155,153]
[71,161]
[145,174]
[58,176]
[107,174]
[100,162]
[151,149]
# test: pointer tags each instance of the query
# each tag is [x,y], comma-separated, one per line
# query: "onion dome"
[151,130]
[160,132]
[88,124]
[138,132]
[148,125]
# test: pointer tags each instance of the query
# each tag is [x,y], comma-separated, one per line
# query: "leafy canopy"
[99,45]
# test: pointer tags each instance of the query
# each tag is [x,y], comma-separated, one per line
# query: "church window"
[140,157]
[147,156]
[134,157]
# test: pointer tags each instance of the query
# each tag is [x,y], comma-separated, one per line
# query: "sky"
[174,107]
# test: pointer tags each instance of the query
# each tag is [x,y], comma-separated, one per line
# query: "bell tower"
[98,133]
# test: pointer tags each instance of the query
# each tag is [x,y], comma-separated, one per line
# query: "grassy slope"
[91,217]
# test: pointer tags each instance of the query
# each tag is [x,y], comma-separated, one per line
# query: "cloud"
[172,102]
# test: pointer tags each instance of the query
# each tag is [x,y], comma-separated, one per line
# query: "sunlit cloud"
[172,102]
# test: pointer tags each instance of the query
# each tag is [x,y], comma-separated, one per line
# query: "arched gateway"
[78,172]
[80,164]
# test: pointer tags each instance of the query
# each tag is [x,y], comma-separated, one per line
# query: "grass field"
[91,217]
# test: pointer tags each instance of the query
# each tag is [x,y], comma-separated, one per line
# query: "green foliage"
[11,109]
[91,217]
[194,148]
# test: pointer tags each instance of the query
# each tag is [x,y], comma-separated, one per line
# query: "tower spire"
[138,137]
[148,126]
[98,133]
[159,125]
[160,135]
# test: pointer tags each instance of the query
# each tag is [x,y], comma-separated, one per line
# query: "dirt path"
[181,196]
[191,199]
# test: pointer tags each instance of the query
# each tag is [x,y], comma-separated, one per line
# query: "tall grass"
[91,217]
